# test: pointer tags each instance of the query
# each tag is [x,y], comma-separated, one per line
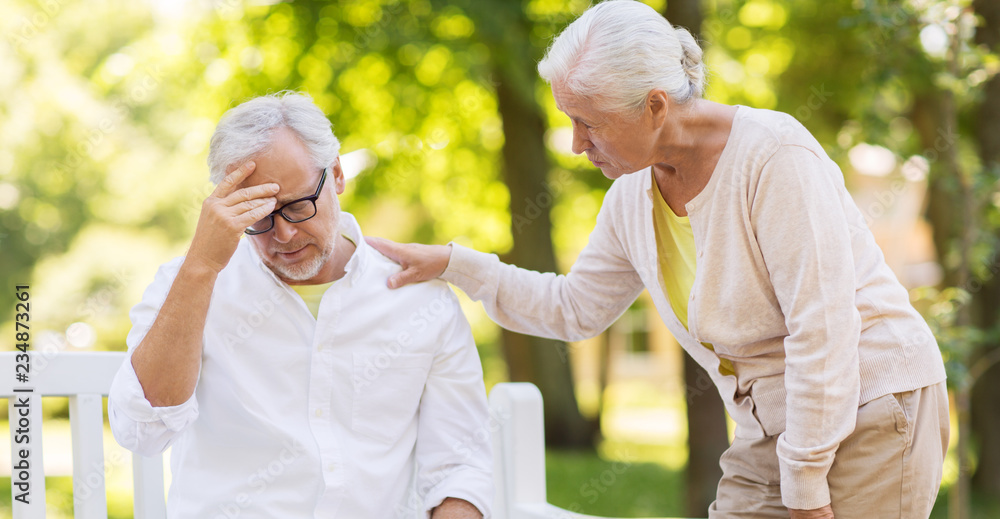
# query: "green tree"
[506,29]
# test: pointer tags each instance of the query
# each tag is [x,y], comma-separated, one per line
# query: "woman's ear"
[657,105]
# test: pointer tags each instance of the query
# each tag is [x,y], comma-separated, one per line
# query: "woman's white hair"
[246,130]
[620,50]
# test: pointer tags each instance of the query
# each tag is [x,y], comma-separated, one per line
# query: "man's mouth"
[291,254]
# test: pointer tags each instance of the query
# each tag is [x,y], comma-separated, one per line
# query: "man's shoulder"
[381,267]
[430,307]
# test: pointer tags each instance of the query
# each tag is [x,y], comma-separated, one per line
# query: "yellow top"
[676,257]
[313,294]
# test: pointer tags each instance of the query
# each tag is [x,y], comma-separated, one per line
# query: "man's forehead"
[292,182]
[285,161]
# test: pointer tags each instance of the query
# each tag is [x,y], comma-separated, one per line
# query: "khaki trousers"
[889,467]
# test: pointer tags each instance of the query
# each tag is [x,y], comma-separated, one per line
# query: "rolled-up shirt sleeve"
[453,452]
[136,424]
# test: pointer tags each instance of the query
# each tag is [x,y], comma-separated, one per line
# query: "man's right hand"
[168,360]
[225,214]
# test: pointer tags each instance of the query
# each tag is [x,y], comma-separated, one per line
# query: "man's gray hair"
[618,51]
[248,129]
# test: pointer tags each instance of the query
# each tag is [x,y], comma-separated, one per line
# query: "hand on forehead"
[285,162]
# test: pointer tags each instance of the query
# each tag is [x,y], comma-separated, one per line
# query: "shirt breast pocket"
[387,391]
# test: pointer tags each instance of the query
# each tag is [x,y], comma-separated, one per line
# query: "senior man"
[289,381]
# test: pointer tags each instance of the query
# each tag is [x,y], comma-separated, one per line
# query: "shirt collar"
[359,260]
[355,266]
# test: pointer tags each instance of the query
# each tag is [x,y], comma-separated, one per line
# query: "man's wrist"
[193,267]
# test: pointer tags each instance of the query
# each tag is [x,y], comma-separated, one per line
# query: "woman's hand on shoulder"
[420,262]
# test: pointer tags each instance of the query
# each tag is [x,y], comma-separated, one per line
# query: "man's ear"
[339,180]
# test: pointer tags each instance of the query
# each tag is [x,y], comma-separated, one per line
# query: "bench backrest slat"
[85,378]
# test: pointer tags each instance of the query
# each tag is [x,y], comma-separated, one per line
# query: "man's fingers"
[248,194]
[234,178]
[256,210]
[250,205]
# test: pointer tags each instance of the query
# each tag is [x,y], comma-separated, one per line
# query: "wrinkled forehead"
[287,163]
[290,187]
[572,104]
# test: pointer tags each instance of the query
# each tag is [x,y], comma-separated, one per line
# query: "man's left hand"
[820,513]
[455,508]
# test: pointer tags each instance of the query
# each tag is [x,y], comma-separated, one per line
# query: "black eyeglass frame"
[311,198]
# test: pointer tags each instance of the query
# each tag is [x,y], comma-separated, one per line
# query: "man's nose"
[283,230]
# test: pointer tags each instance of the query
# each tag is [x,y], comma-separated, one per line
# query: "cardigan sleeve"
[576,306]
[797,214]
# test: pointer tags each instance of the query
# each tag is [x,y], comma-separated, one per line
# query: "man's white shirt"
[376,409]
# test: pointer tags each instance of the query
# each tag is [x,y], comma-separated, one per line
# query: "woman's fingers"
[419,262]
[386,247]
[404,278]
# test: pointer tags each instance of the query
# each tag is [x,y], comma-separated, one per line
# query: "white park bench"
[516,426]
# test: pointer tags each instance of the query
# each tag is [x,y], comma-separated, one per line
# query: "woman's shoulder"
[769,130]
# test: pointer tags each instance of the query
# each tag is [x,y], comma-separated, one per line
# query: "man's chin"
[301,268]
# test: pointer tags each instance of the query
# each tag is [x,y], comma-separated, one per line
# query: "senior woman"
[759,263]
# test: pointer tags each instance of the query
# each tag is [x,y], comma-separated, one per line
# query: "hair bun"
[691,60]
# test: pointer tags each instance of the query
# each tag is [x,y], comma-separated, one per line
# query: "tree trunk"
[541,361]
[707,438]
[505,29]
[706,415]
[985,419]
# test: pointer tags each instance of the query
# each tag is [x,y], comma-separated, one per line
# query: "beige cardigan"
[790,287]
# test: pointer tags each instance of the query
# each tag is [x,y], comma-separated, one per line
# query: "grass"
[586,483]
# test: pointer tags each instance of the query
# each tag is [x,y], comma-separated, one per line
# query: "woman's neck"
[689,148]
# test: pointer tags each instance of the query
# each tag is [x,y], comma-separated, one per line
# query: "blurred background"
[106,108]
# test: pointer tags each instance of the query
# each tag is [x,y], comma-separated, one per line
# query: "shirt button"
[329,468]
[319,412]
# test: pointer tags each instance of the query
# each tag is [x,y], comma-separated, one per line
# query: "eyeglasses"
[293,212]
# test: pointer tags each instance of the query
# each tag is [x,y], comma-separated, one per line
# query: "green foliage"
[958,342]
[106,108]
[102,170]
